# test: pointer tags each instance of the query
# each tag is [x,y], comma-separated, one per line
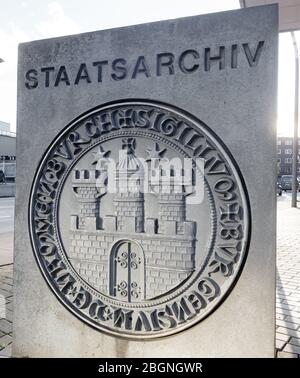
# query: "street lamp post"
[296,111]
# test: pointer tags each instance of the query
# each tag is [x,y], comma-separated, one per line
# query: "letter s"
[32,82]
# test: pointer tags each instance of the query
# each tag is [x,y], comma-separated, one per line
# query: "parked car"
[286,182]
[2,177]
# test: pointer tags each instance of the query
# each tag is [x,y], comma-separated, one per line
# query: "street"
[7,206]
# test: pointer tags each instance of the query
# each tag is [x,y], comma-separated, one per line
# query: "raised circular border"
[236,172]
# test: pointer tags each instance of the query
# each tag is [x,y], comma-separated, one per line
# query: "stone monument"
[145,206]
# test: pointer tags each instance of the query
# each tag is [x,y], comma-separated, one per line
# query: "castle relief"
[125,254]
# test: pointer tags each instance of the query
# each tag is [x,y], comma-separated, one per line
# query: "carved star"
[155,152]
[99,155]
[107,314]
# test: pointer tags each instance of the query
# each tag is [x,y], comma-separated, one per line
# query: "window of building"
[278,160]
[288,142]
[279,142]
[288,160]
[288,151]
[279,151]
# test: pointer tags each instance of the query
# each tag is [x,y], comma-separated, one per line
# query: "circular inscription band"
[139,219]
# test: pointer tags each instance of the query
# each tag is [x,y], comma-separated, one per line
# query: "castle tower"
[172,188]
[88,188]
[129,199]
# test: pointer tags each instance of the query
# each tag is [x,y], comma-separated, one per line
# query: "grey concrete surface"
[226,99]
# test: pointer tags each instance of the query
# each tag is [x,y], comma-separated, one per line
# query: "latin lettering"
[91,129]
[143,118]
[196,300]
[47,71]
[105,121]
[31,76]
[95,309]
[230,231]
[215,165]
[114,120]
[217,58]
[155,123]
[182,311]
[123,318]
[63,150]
[183,132]
[77,141]
[125,118]
[62,76]
[224,258]
[225,188]
[56,268]
[168,126]
[66,283]
[48,248]
[186,56]
[43,225]
[209,288]
[165,60]
[165,320]
[253,59]
[82,74]
[141,66]
[142,322]
[234,55]
[119,66]
[100,66]
[192,143]
[81,298]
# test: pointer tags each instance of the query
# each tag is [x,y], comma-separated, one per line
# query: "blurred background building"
[7,160]
[285,155]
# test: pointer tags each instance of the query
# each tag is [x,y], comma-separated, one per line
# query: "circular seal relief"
[139,219]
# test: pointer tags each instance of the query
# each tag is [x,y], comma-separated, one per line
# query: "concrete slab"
[212,68]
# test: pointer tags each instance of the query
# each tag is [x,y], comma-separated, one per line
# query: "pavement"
[6,274]
[6,230]
[6,286]
[288,277]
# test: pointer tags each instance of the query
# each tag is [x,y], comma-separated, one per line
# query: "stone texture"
[226,100]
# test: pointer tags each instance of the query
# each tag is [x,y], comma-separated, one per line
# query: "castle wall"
[171,208]
[89,254]
[167,261]
[88,205]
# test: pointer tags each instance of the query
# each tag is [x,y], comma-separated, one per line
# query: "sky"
[27,20]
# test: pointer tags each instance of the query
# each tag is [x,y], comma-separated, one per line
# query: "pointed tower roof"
[127,159]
